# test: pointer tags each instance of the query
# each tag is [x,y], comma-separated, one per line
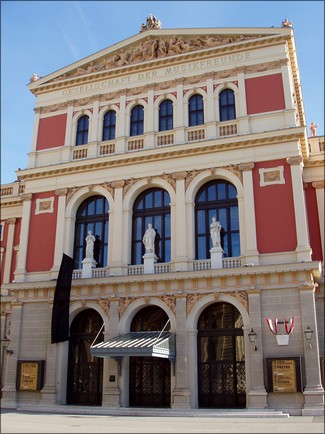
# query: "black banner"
[60,312]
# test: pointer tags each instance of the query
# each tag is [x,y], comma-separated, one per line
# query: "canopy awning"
[155,344]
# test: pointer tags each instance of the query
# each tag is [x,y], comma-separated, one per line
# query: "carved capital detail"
[244,167]
[179,175]
[318,184]
[26,197]
[294,161]
[61,192]
[11,221]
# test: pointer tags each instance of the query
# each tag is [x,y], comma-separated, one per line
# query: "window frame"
[195,110]
[109,129]
[137,121]
[227,110]
[166,122]
[82,131]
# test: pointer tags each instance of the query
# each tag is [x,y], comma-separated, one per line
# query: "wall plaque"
[30,375]
[284,374]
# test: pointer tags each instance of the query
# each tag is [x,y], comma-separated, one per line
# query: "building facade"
[177,131]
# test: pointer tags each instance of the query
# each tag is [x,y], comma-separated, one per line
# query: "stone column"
[179,232]
[210,118]
[59,234]
[49,388]
[9,392]
[68,131]
[149,121]
[117,254]
[179,116]
[111,389]
[241,105]
[9,248]
[251,253]
[313,392]
[24,231]
[257,396]
[303,249]
[181,394]
[319,186]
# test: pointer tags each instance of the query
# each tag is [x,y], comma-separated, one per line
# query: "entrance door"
[221,359]
[85,372]
[149,376]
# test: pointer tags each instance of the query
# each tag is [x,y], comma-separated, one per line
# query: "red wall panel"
[274,211]
[313,223]
[41,241]
[264,94]
[51,132]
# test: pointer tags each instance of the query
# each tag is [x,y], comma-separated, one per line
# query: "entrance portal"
[149,376]
[85,372]
[221,358]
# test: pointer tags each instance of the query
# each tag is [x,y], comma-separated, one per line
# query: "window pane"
[221,191]
[234,221]
[138,229]
[201,225]
[222,217]
[157,224]
[99,206]
[232,192]
[212,193]
[157,199]
[235,244]
[149,200]
[91,208]
[202,248]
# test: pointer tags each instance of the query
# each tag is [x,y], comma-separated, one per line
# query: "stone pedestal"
[216,257]
[149,260]
[87,265]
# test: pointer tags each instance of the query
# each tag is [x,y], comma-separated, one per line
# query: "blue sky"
[44,36]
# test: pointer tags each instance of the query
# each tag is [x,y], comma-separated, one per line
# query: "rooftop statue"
[286,23]
[151,23]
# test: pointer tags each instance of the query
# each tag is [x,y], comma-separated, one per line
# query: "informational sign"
[30,375]
[284,375]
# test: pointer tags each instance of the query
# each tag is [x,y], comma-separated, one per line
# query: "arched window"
[227,105]
[218,199]
[136,124]
[166,115]
[152,206]
[109,125]
[92,215]
[82,130]
[195,110]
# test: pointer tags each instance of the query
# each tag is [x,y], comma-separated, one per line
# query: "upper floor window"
[82,130]
[109,125]
[195,110]
[92,215]
[227,105]
[136,124]
[218,199]
[152,206]
[166,115]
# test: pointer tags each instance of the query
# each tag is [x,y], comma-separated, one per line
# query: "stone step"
[152,412]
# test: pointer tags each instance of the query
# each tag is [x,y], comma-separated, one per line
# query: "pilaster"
[179,238]
[303,249]
[319,187]
[181,393]
[313,392]
[9,249]
[257,395]
[251,253]
[59,233]
[22,256]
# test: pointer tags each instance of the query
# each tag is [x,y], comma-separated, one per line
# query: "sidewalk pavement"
[13,421]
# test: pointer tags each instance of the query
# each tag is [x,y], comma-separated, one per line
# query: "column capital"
[244,167]
[318,184]
[26,197]
[179,175]
[61,192]
[294,161]
[11,221]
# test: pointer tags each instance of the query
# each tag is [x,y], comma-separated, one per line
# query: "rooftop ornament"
[151,23]
[313,129]
[286,23]
[34,77]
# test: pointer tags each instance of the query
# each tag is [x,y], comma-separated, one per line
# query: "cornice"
[163,154]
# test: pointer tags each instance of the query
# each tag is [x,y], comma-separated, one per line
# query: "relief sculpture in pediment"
[154,48]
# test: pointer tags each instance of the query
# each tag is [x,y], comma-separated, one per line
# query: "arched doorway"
[149,376]
[85,372]
[221,357]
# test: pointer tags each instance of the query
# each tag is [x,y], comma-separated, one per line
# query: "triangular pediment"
[156,45]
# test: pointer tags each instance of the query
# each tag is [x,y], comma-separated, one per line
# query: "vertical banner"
[60,312]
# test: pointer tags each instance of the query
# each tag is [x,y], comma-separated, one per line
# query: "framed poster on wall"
[30,374]
[284,374]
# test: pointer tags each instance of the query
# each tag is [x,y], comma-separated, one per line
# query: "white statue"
[215,228]
[90,241]
[149,239]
